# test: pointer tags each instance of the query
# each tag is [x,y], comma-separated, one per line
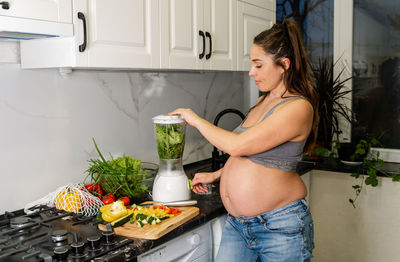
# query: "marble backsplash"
[48,120]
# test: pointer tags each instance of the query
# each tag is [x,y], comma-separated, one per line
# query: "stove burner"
[61,253]
[59,235]
[93,243]
[19,222]
[108,237]
[77,249]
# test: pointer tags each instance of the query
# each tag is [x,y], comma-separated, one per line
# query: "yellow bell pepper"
[113,211]
[68,200]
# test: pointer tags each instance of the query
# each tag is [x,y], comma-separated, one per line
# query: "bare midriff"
[249,189]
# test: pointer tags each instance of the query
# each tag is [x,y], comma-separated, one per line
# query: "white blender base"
[171,188]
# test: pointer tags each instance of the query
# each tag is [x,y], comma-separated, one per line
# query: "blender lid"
[166,119]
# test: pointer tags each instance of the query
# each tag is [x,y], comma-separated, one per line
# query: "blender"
[171,183]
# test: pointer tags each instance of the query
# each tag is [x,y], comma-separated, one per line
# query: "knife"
[173,203]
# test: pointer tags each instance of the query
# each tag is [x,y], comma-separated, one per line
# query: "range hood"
[25,29]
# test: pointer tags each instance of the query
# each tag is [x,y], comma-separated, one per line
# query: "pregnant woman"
[268,217]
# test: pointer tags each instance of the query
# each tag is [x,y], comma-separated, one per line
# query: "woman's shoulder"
[297,104]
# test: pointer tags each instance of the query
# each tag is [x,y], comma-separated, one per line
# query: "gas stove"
[48,234]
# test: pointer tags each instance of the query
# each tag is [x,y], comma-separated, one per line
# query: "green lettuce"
[170,140]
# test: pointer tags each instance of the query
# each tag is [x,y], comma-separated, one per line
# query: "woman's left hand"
[190,117]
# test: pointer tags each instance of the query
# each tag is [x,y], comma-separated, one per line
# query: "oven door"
[195,245]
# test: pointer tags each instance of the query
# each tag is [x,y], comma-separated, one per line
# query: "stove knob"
[108,237]
[77,248]
[61,253]
[94,242]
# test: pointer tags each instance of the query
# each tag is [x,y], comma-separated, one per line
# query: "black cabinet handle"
[209,54]
[82,47]
[5,5]
[201,55]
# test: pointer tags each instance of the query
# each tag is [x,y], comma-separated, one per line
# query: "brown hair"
[284,41]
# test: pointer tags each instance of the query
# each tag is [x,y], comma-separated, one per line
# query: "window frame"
[343,12]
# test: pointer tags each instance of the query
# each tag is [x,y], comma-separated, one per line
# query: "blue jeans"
[285,234]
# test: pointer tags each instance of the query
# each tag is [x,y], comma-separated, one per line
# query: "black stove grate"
[48,234]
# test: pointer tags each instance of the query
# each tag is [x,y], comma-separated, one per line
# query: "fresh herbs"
[121,176]
[170,140]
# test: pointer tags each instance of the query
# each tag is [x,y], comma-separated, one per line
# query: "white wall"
[48,121]
[369,233]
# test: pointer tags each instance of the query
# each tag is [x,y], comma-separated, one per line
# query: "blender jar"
[171,182]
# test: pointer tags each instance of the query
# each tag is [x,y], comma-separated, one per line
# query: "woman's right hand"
[203,178]
[190,117]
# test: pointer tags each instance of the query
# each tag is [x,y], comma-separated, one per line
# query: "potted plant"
[332,91]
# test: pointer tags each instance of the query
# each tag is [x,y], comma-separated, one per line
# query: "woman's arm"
[290,121]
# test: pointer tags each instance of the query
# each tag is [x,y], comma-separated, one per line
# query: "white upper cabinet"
[251,21]
[30,19]
[220,22]
[198,34]
[47,10]
[154,34]
[181,22]
[116,34]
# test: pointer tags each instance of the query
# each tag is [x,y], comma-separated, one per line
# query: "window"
[315,19]
[376,70]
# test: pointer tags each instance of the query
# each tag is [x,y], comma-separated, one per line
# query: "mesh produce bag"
[72,198]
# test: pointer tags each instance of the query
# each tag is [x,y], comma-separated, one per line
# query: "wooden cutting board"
[158,230]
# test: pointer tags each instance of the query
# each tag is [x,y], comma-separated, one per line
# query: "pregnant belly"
[249,189]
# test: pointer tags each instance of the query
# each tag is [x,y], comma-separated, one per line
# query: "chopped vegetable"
[113,211]
[152,215]
[170,140]
[122,220]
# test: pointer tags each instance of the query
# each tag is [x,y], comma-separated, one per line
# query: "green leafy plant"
[332,92]
[371,166]
[371,163]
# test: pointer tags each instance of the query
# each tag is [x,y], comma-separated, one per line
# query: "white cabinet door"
[119,34]
[181,21]
[220,23]
[251,21]
[47,10]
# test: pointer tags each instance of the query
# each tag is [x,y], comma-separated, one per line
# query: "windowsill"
[329,164]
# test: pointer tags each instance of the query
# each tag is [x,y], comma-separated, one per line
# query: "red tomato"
[90,187]
[110,195]
[108,198]
[125,200]
[95,189]
[107,201]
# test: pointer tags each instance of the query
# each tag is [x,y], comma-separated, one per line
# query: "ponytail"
[284,41]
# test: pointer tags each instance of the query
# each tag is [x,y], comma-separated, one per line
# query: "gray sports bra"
[285,156]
